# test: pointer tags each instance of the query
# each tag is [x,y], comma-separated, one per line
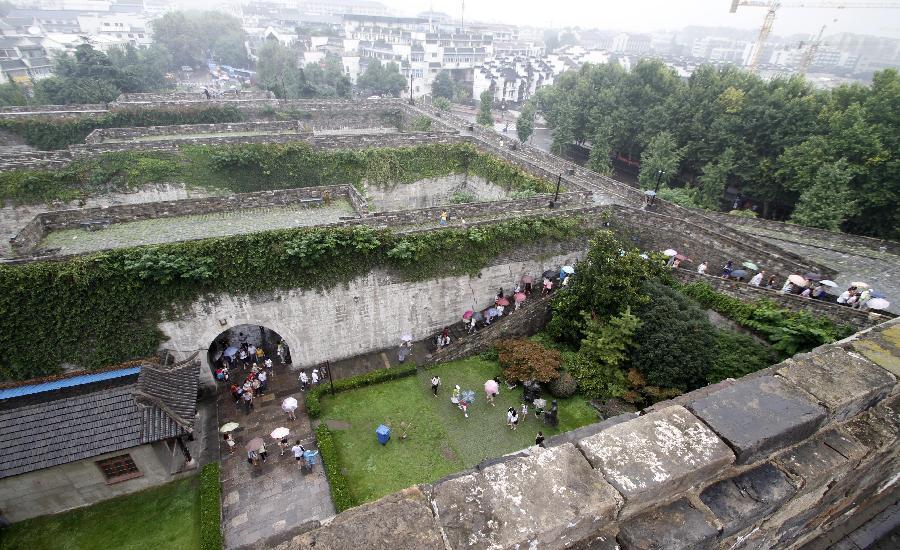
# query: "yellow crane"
[773,5]
[810,52]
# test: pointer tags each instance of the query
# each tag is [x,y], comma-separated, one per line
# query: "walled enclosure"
[773,460]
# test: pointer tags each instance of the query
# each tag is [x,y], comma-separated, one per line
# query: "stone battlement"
[772,460]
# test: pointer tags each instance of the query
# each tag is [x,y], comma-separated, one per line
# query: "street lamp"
[659,175]
[556,195]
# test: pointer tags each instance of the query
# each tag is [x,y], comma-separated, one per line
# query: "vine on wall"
[104,308]
[261,167]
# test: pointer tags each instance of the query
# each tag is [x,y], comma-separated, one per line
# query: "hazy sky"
[650,15]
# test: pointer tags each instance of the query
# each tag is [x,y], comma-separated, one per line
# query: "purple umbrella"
[493,312]
[468,315]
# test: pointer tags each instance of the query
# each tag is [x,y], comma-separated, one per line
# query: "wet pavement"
[276,498]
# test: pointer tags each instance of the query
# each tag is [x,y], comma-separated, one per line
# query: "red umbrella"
[527,279]
[520,297]
[468,315]
[502,302]
[682,257]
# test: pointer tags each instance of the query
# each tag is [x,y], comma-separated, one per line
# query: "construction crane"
[810,52]
[773,5]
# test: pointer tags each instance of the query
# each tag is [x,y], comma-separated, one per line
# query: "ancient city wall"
[46,222]
[810,235]
[101,135]
[776,459]
[855,318]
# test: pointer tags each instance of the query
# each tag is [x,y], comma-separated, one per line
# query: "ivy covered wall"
[95,310]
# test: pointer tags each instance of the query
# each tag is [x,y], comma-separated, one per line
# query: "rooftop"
[53,422]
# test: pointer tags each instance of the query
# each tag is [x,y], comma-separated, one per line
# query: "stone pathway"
[184,228]
[277,498]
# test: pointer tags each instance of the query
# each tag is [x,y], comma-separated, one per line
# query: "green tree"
[599,160]
[484,109]
[606,283]
[676,342]
[659,161]
[551,40]
[714,179]
[525,123]
[277,70]
[604,349]
[564,133]
[829,201]
[12,94]
[441,103]
[382,79]
[192,35]
[595,379]
[443,86]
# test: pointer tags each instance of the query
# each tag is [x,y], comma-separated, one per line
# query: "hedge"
[262,167]
[340,490]
[313,401]
[210,508]
[47,133]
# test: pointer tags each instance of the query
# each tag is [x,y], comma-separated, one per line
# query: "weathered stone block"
[675,526]
[830,453]
[402,520]
[549,499]
[882,347]
[657,455]
[758,416]
[604,540]
[844,382]
[742,500]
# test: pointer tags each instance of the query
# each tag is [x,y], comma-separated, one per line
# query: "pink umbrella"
[527,279]
[468,315]
[502,302]
[491,387]
[520,297]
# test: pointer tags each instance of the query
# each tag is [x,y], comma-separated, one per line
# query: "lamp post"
[659,175]
[556,195]
[411,102]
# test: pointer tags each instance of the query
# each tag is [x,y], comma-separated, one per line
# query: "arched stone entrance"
[229,342]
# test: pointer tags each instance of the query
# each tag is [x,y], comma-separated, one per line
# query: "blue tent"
[383,433]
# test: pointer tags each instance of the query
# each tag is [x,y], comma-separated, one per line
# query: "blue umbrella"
[467,396]
[878,294]
[493,312]
[230,351]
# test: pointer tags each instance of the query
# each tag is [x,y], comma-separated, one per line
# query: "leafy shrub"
[421,124]
[595,380]
[564,386]
[676,343]
[313,398]
[523,360]
[462,197]
[526,194]
[491,354]
[210,508]
[789,332]
[738,355]
[340,489]
[744,213]
[441,103]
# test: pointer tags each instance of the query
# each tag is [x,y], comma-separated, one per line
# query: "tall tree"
[277,70]
[382,79]
[564,133]
[525,123]
[484,109]
[599,159]
[828,201]
[443,86]
[195,36]
[659,161]
[714,179]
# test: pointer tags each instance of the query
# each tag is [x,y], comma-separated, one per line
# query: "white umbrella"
[230,427]
[670,252]
[568,269]
[289,405]
[279,433]
[827,282]
[877,303]
[860,285]
[797,280]
[406,337]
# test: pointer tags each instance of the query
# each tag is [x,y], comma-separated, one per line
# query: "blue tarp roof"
[79,380]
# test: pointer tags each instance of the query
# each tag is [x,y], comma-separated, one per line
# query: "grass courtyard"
[441,441]
[167,517]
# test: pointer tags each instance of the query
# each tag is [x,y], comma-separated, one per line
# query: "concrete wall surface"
[776,459]
[76,484]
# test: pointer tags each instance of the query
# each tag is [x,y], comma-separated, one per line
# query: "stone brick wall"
[190,96]
[810,235]
[35,160]
[56,111]
[776,459]
[840,314]
[46,222]
[101,135]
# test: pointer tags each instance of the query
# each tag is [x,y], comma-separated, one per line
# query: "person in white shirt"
[315,376]
[269,365]
[701,269]
[304,380]
[757,279]
[297,450]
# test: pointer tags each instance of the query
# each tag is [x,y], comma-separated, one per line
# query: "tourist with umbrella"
[729,267]
[738,274]
[253,449]
[519,299]
[490,313]
[526,283]
[757,279]
[466,399]
[846,295]
[281,435]
[878,304]
[491,390]
[289,406]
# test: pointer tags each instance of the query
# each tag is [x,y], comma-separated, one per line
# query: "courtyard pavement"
[275,499]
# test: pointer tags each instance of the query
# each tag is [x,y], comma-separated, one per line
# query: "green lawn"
[441,440]
[165,517]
